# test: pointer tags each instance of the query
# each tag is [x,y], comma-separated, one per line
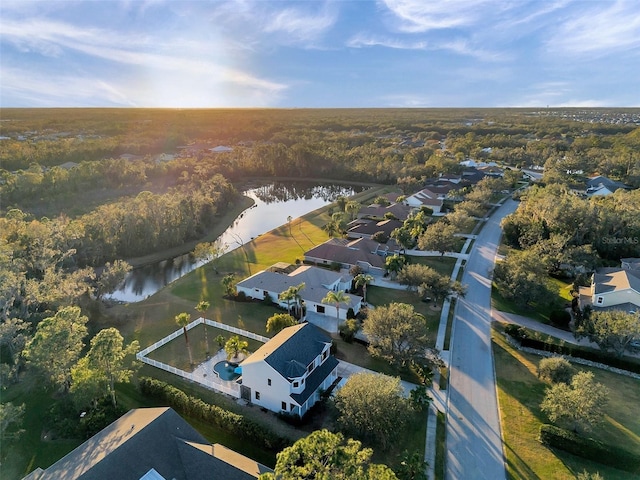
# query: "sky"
[312,53]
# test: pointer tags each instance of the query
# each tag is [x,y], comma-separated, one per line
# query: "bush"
[224,419]
[555,369]
[560,318]
[584,447]
[516,331]
[240,297]
[351,313]
[349,329]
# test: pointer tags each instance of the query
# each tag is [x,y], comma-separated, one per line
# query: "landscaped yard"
[520,393]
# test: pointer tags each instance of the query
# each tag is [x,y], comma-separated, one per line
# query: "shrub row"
[221,418]
[520,334]
[584,447]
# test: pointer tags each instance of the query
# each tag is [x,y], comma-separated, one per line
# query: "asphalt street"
[474,440]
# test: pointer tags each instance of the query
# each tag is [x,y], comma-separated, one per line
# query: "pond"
[274,202]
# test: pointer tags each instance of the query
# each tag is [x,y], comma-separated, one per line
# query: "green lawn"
[442,265]
[520,393]
[35,447]
[175,352]
[540,312]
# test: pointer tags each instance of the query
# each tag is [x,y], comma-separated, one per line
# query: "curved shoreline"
[224,222]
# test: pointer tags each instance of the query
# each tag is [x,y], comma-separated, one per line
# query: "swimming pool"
[226,371]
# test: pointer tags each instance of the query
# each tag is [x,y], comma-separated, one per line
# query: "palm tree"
[202,307]
[298,298]
[352,208]
[287,296]
[183,319]
[337,298]
[363,280]
[234,347]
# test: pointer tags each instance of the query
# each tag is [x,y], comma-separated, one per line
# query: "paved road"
[474,440]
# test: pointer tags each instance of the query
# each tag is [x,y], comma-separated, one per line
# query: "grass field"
[520,393]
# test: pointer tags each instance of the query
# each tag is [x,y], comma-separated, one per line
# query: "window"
[295,384]
[600,300]
[269,381]
[292,407]
[324,354]
[257,395]
[320,308]
[311,367]
[284,405]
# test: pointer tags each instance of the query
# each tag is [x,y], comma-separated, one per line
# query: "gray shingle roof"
[294,347]
[314,278]
[150,438]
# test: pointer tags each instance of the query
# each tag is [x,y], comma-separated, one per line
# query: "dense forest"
[143,181]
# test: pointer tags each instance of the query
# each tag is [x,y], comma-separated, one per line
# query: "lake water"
[274,202]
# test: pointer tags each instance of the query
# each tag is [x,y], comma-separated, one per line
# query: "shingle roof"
[291,349]
[612,279]
[353,252]
[372,227]
[314,278]
[314,380]
[149,438]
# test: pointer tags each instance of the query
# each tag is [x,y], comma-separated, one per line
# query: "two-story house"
[290,371]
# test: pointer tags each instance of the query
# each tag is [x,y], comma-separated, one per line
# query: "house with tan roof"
[289,372]
[318,282]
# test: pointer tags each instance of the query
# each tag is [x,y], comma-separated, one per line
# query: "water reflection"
[274,202]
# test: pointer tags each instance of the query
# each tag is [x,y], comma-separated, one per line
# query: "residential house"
[614,288]
[363,228]
[318,282]
[602,186]
[367,254]
[630,263]
[289,372]
[221,149]
[427,198]
[398,210]
[150,444]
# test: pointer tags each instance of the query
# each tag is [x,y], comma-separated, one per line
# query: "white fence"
[214,383]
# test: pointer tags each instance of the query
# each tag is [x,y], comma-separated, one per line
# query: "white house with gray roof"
[318,282]
[614,288]
[289,372]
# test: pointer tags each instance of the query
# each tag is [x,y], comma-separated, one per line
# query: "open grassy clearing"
[520,393]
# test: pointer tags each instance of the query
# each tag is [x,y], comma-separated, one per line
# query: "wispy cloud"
[151,55]
[599,29]
[301,25]
[364,40]
[421,16]
[459,46]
